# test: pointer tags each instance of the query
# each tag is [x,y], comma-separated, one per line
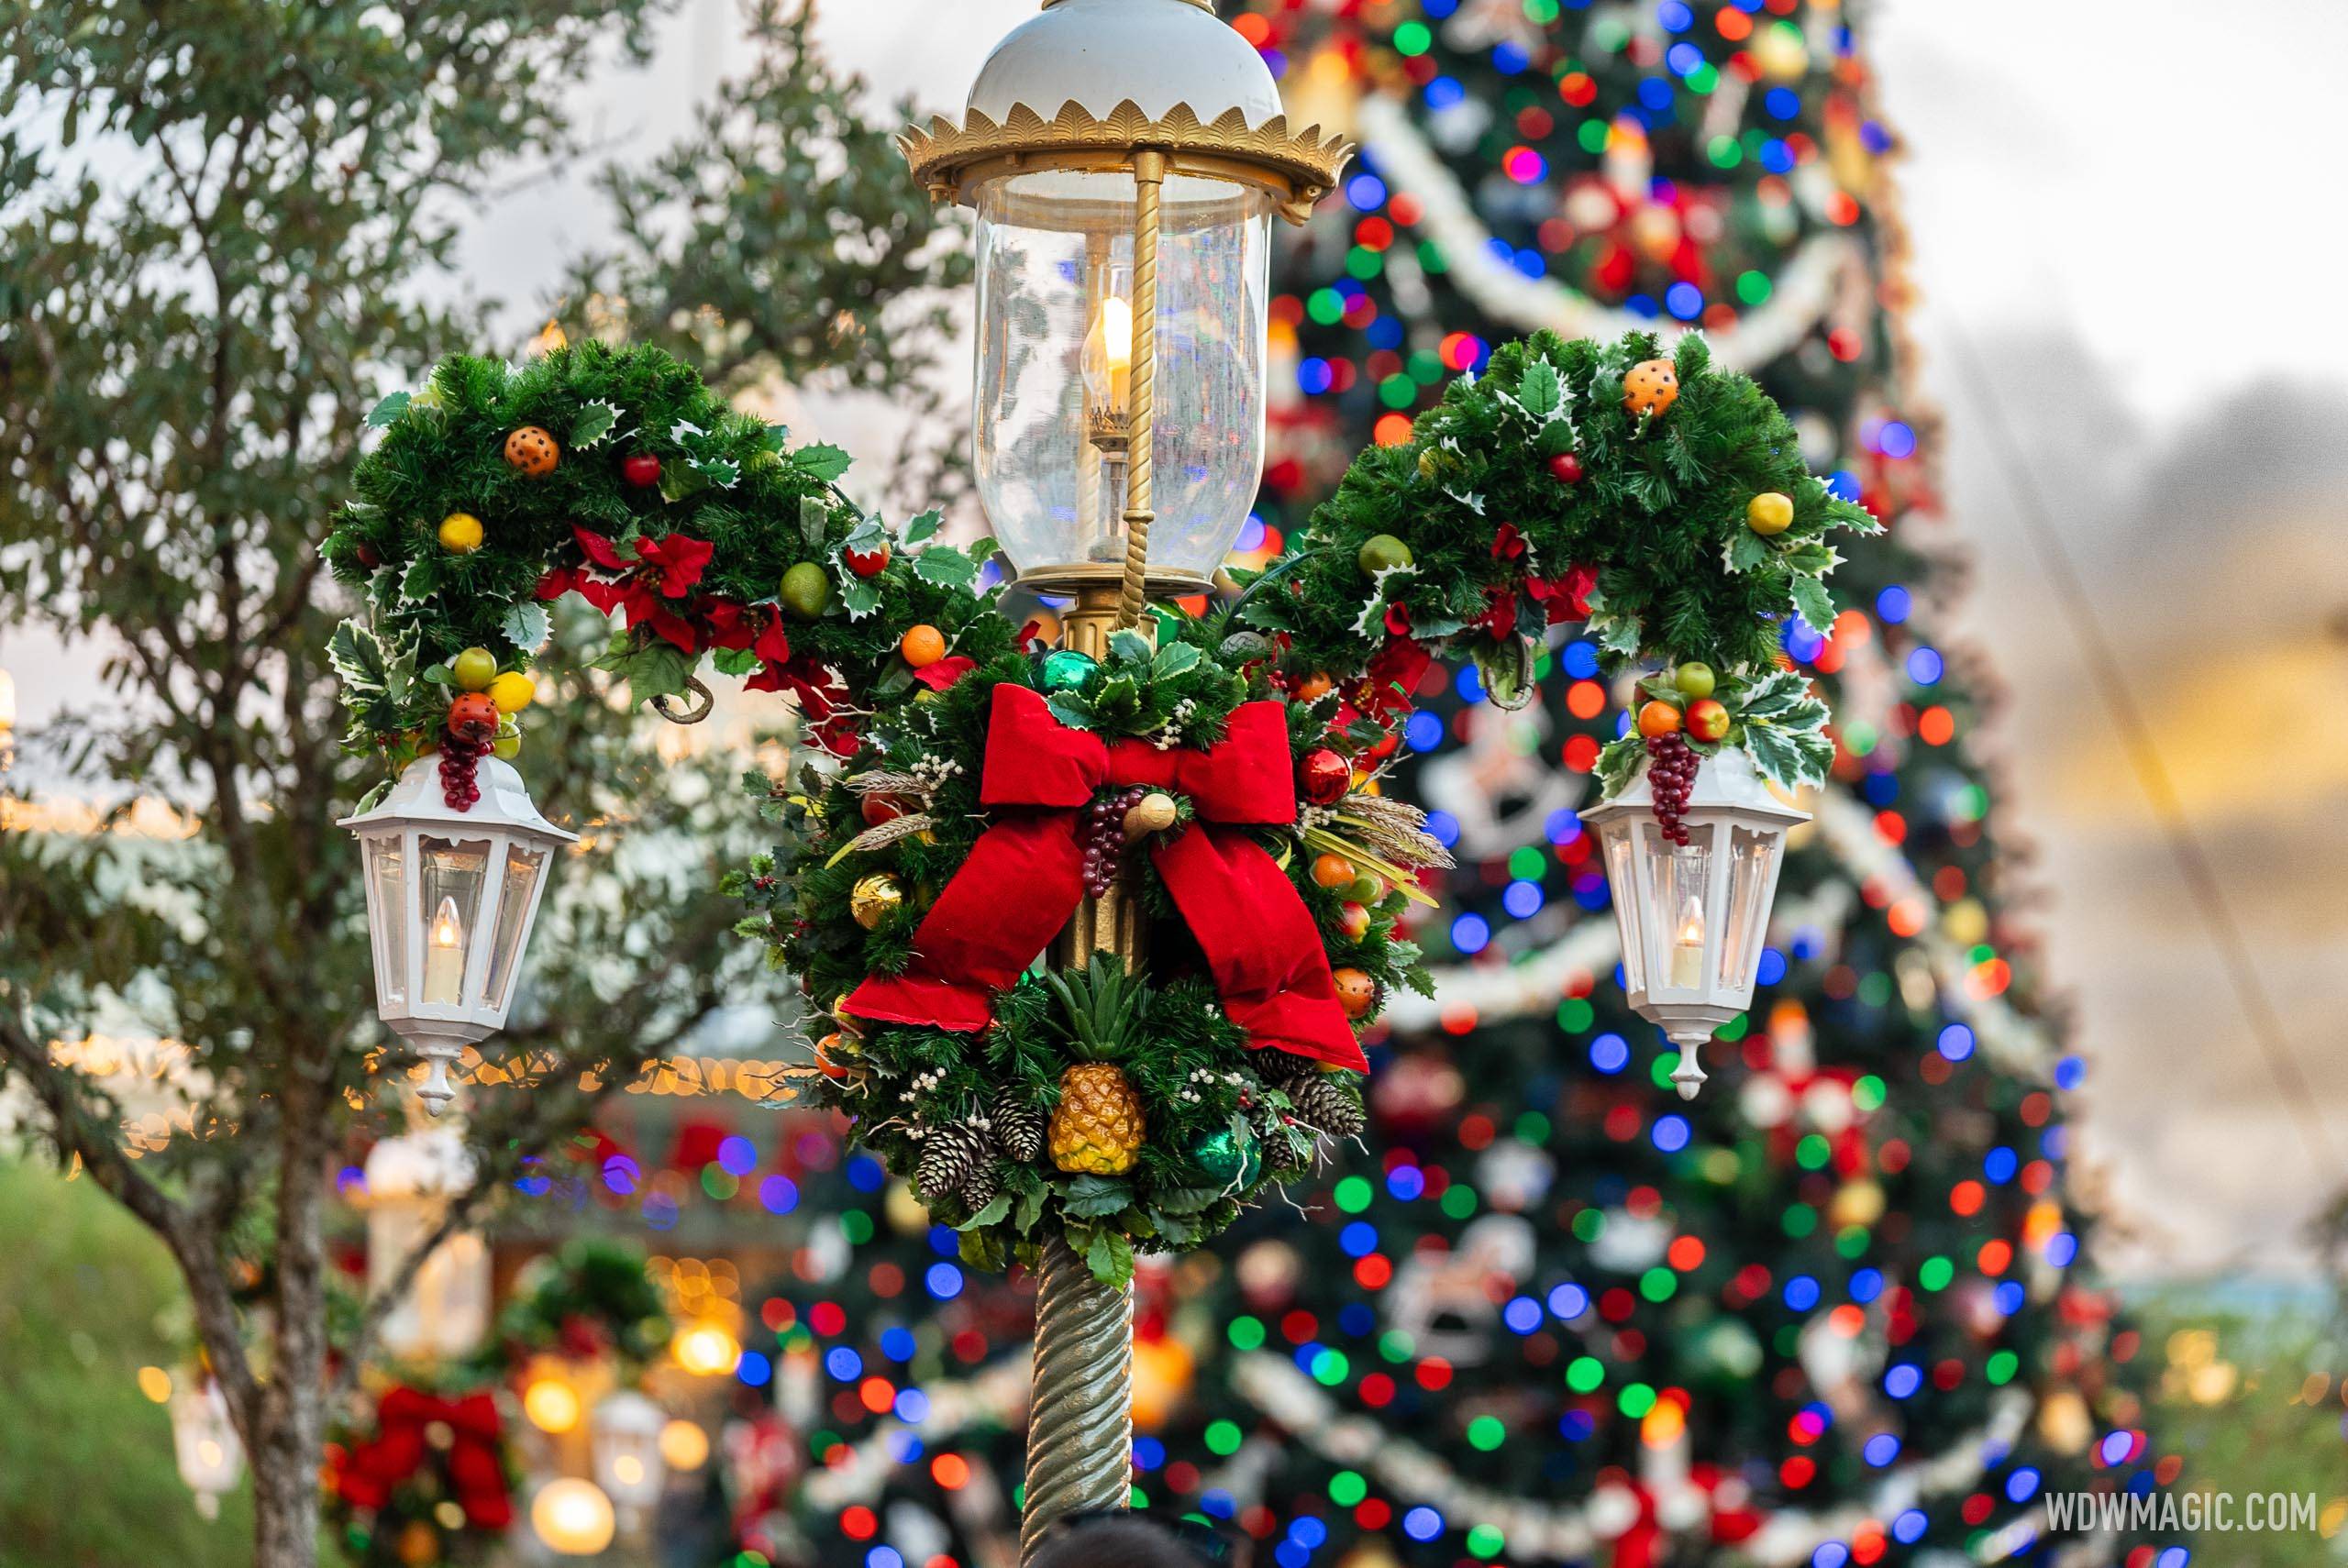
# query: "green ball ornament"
[806,591]
[1382,552]
[1222,1156]
[1065,670]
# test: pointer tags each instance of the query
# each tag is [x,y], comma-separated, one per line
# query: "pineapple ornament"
[1099,1126]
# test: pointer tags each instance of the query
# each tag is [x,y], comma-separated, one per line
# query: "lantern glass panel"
[387,918]
[524,866]
[1752,873]
[1677,925]
[1055,272]
[454,874]
[1617,838]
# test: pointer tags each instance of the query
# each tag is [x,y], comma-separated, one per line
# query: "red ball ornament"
[866,563]
[1566,468]
[1324,776]
[641,470]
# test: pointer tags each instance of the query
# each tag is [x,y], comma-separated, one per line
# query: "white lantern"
[626,1443]
[1125,158]
[204,1442]
[410,1180]
[1693,918]
[450,897]
[573,1518]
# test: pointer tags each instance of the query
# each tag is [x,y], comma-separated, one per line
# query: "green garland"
[1536,495]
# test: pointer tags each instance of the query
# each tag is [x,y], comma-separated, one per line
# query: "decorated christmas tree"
[1828,1311]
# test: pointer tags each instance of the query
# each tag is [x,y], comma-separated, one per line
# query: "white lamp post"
[1693,918]
[410,1179]
[451,898]
[204,1442]
[626,1444]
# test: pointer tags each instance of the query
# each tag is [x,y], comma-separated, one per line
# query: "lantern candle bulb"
[1109,357]
[444,959]
[1688,948]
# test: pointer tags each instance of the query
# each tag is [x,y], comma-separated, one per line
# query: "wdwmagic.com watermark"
[2198,1513]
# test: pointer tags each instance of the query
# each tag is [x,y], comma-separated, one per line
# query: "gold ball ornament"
[875,899]
[533,450]
[1652,387]
[1769,513]
[460,533]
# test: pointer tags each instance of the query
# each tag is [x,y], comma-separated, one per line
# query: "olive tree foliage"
[227,228]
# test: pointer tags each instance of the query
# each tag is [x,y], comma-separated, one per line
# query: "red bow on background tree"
[422,1439]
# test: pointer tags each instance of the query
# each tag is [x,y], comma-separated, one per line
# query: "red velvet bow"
[1022,880]
[403,1420]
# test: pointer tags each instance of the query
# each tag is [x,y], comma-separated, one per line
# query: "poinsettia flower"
[1499,615]
[643,608]
[1507,544]
[1395,671]
[604,593]
[773,644]
[600,550]
[1398,620]
[942,673]
[729,623]
[681,560]
[558,581]
[1565,598]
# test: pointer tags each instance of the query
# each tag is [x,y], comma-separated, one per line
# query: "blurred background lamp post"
[450,899]
[629,1464]
[1126,158]
[1693,917]
[204,1442]
[444,1313]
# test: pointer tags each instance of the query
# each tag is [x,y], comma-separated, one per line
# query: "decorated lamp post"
[625,1441]
[444,1312]
[204,1442]
[1126,158]
[453,885]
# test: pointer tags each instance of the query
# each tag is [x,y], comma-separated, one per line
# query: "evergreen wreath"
[1662,502]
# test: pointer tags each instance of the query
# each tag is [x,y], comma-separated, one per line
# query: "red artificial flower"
[942,673]
[729,623]
[1499,615]
[1029,634]
[558,581]
[1398,620]
[1395,671]
[1565,598]
[773,644]
[600,550]
[1507,544]
[681,560]
[643,608]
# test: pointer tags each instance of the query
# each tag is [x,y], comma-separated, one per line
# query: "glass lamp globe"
[204,1442]
[572,1518]
[410,1180]
[626,1439]
[1126,158]
[1693,919]
[450,899]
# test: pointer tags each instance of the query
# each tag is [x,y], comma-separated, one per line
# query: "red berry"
[866,563]
[1566,468]
[641,470]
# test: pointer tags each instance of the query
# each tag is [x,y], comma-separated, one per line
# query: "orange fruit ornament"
[923,646]
[1652,387]
[1332,871]
[1356,992]
[474,717]
[1658,719]
[532,449]
[1312,687]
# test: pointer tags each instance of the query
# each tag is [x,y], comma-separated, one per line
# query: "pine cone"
[1321,1101]
[1018,1127]
[1280,1156]
[953,1154]
[983,1184]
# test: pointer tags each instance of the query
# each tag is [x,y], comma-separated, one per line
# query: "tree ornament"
[532,449]
[1707,720]
[1244,647]
[1324,776]
[1566,468]
[806,591]
[950,1156]
[1065,670]
[1101,835]
[1352,919]
[1154,812]
[1693,680]
[473,669]
[1019,1125]
[460,533]
[1356,992]
[1319,1100]
[1658,718]
[922,645]
[1671,779]
[513,691]
[875,899]
[506,748]
[1226,1158]
[1382,552]
[1769,513]
[1314,686]
[641,470]
[1652,387]
[876,809]
[866,563]
[1099,1125]
[828,1051]
[474,717]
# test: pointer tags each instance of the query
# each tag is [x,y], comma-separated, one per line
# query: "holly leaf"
[656,670]
[772,437]
[525,625]
[1745,550]
[923,526]
[1538,391]
[1812,603]
[734,661]
[723,473]
[1089,1197]
[1173,659]
[820,462]
[387,410]
[1789,758]
[1184,1199]
[357,657]
[594,422]
[868,533]
[860,597]
[1774,696]
[998,1208]
[815,517]
[420,580]
[1617,761]
[947,567]
[1069,710]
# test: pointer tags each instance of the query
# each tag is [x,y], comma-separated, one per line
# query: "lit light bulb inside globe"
[572,1517]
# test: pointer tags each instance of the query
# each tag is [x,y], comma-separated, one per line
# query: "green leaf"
[1813,558]
[1031,1208]
[1089,1197]
[387,410]
[947,567]
[1617,761]
[1110,1256]
[357,657]
[773,437]
[923,526]
[1184,1199]
[1787,757]
[1773,696]
[1129,644]
[822,462]
[734,661]
[1538,391]
[656,670]
[815,517]
[998,1208]
[723,473]
[594,422]
[860,597]
[869,534]
[1173,659]
[1813,604]
[525,625]
[421,580]
[1746,549]
[1070,710]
